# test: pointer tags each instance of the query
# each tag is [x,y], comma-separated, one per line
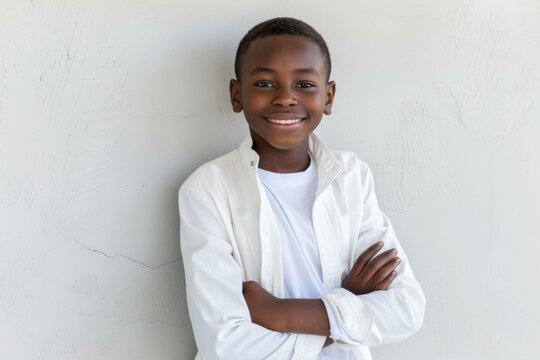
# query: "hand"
[371,273]
[263,306]
[328,341]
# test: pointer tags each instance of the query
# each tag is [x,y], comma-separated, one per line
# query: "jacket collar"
[327,165]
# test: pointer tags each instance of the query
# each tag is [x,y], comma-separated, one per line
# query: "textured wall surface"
[106,106]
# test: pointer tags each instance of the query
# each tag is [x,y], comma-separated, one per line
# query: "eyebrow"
[261,69]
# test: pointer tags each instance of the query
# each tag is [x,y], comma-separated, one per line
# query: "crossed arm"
[308,316]
[238,320]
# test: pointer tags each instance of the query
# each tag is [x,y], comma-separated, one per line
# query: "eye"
[305,85]
[263,84]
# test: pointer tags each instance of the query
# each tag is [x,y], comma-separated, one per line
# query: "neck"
[281,160]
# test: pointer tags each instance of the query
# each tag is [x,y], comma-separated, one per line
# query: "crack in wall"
[128,258]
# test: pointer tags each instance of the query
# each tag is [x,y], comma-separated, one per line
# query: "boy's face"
[282,91]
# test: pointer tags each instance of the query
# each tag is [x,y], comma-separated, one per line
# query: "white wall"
[106,106]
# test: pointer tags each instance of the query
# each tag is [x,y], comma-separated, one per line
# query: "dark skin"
[284,94]
[282,78]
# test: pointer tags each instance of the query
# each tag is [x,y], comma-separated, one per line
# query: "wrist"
[305,316]
[282,317]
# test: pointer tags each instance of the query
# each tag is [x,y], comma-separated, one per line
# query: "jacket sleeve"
[219,314]
[383,316]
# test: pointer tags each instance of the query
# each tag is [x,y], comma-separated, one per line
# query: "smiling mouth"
[284,122]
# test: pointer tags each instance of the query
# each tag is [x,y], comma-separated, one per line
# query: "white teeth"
[284,122]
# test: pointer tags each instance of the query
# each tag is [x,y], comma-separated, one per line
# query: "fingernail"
[394,273]
[394,251]
[398,260]
[380,243]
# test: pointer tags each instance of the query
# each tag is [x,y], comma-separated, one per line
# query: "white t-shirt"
[291,197]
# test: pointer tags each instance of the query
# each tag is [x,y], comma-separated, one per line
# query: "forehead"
[283,52]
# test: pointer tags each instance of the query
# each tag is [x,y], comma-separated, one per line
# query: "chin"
[286,144]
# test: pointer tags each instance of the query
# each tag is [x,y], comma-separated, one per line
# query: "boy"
[286,252]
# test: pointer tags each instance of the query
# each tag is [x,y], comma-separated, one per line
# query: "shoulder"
[351,164]
[213,172]
[354,180]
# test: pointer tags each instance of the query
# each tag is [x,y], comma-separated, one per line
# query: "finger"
[384,271]
[385,284]
[365,257]
[378,262]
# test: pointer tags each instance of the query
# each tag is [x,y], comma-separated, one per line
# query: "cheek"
[316,103]
[254,101]
[313,97]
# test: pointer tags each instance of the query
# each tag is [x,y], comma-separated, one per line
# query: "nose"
[284,97]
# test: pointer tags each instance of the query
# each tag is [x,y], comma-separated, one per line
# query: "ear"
[234,92]
[329,97]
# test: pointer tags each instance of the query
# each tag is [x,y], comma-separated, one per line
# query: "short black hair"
[281,26]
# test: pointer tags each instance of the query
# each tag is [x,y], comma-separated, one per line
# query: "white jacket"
[228,235]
